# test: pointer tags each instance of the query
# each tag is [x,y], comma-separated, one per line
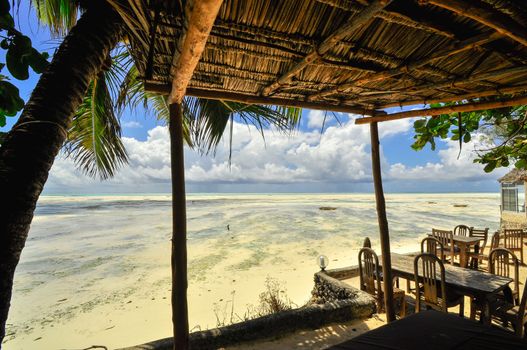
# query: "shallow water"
[96,269]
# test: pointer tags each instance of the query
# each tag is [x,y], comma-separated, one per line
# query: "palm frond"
[58,15]
[94,139]
[132,95]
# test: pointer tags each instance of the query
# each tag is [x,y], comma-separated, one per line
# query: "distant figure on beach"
[228,228]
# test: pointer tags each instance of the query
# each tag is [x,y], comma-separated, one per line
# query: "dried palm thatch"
[515,176]
[346,55]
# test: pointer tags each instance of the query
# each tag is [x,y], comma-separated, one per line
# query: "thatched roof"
[347,54]
[518,176]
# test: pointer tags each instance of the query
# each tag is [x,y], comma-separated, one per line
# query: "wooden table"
[473,283]
[433,330]
[464,243]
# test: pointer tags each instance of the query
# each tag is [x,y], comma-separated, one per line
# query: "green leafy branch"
[504,130]
[19,57]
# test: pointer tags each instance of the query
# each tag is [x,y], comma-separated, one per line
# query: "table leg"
[486,317]
[462,255]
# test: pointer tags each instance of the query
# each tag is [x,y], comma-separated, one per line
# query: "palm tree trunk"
[29,149]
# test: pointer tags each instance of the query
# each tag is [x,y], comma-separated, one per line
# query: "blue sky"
[333,160]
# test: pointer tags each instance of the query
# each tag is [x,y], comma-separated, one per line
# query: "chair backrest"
[513,238]
[369,272]
[462,230]
[433,246]
[503,262]
[446,239]
[429,275]
[482,235]
[495,241]
[367,242]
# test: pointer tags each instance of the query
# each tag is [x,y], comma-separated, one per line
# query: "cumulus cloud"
[454,165]
[132,124]
[340,155]
[315,119]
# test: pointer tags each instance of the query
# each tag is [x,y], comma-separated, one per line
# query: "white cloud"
[132,124]
[340,155]
[454,165]
[315,119]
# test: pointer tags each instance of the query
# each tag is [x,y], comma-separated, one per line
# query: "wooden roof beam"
[453,83]
[467,107]
[349,27]
[505,90]
[165,89]
[465,45]
[486,16]
[199,19]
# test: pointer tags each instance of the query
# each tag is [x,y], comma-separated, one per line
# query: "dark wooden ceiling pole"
[467,107]
[350,26]
[485,16]
[383,223]
[456,48]
[493,92]
[164,89]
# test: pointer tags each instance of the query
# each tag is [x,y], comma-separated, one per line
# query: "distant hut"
[512,208]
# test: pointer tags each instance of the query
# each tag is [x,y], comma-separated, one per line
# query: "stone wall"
[328,288]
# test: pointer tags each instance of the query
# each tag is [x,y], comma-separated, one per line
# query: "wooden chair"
[494,243]
[430,287]
[462,230]
[429,245]
[433,246]
[513,240]
[478,254]
[446,239]
[513,314]
[369,273]
[502,262]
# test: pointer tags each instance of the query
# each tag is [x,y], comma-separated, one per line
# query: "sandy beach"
[96,270]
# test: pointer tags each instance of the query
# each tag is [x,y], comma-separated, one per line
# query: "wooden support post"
[179,230]
[199,18]
[383,223]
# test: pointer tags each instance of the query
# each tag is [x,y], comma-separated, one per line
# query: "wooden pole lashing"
[179,230]
[383,223]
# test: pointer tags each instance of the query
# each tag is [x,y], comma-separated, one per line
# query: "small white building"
[512,206]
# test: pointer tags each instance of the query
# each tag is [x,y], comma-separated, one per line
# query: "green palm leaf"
[58,15]
[94,139]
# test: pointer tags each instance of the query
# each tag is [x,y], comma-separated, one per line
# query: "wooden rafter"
[453,83]
[164,89]
[199,19]
[486,16]
[467,107]
[468,44]
[492,92]
[350,26]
